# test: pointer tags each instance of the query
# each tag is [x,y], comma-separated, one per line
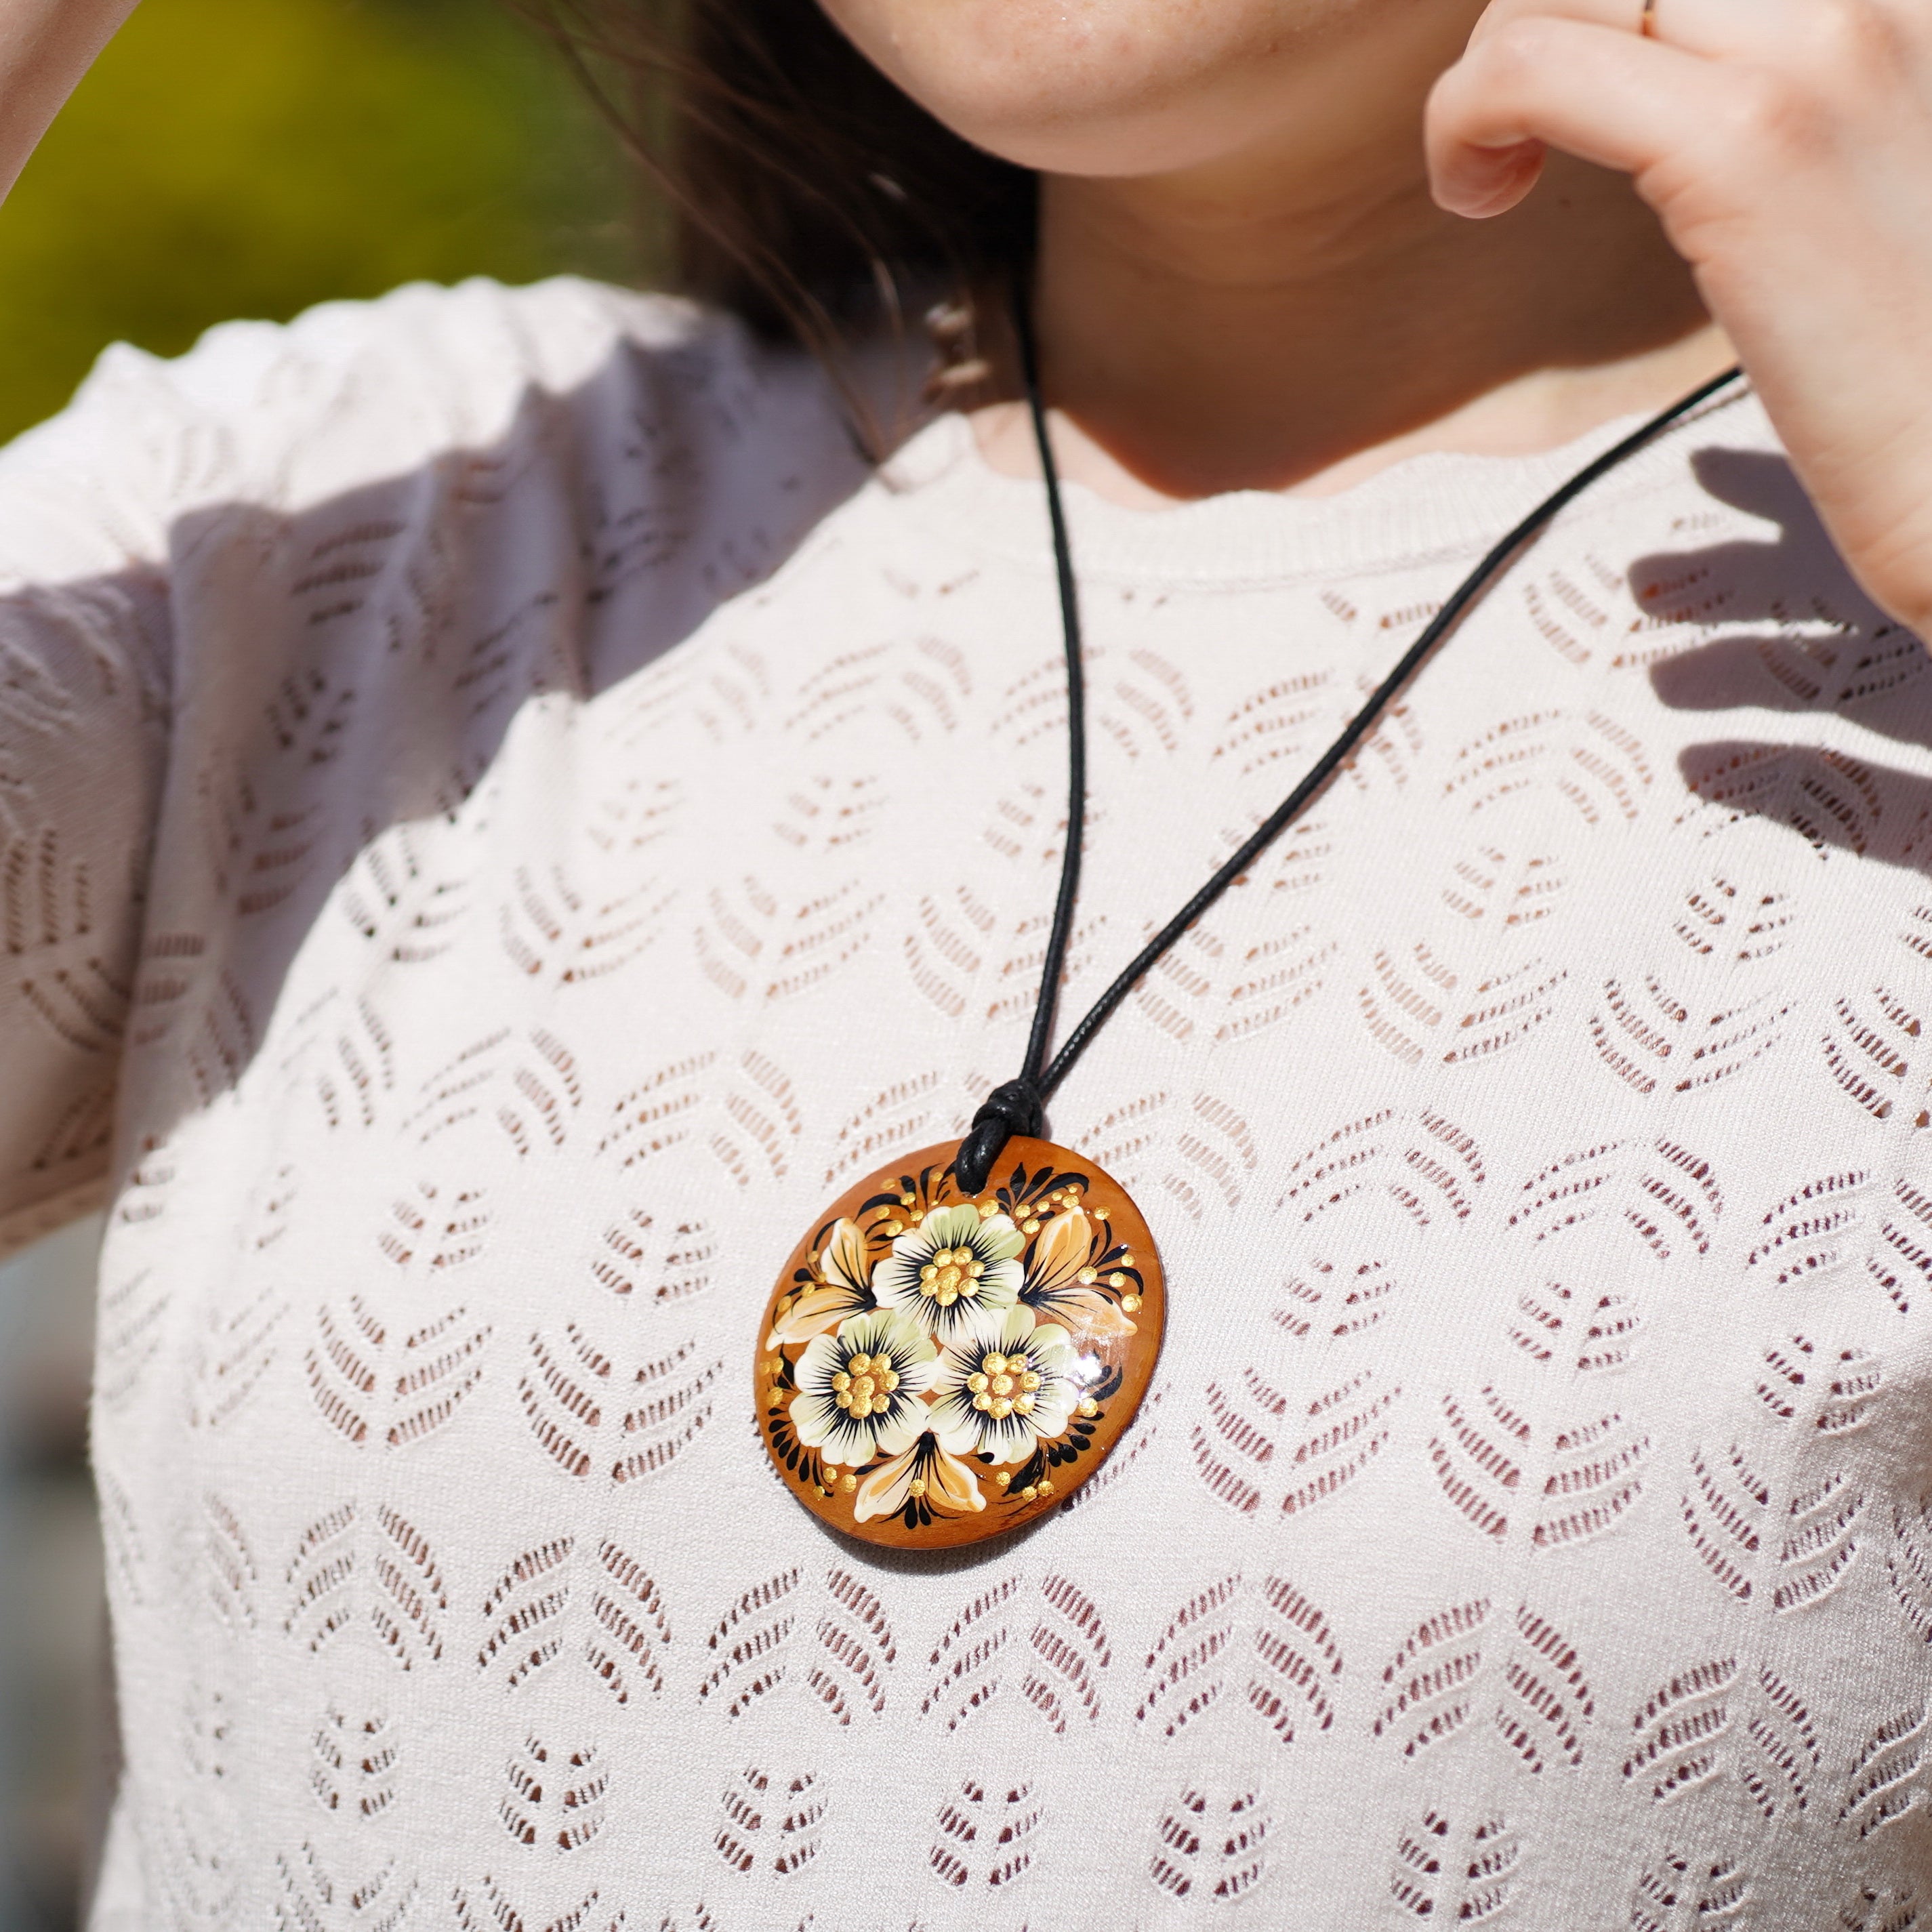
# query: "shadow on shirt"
[1832,655]
[206,758]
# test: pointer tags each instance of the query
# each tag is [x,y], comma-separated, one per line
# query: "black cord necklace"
[961,1340]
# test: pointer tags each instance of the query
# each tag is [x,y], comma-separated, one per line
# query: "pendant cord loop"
[1015,1107]
[1018,1106]
[1055,965]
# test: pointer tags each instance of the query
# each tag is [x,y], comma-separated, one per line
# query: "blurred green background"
[227,158]
[248,157]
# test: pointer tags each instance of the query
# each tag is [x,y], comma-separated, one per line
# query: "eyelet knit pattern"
[501,818]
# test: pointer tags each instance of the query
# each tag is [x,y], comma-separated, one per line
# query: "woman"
[510,813]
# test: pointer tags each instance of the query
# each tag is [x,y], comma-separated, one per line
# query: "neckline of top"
[1435,507]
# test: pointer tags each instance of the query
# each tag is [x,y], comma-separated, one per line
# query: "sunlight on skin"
[1284,242]
[1244,281]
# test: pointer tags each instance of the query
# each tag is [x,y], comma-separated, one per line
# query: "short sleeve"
[582,471]
[85,504]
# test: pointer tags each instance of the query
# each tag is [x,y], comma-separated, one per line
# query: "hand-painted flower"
[953,1262]
[859,1391]
[927,1470]
[1004,1384]
[1060,1281]
[841,1291]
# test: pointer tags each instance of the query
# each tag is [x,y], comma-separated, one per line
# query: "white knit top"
[503,819]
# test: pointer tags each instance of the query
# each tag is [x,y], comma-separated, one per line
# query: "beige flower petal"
[811,1312]
[951,1487]
[1089,1315]
[883,1492]
[1061,1252]
[843,1257]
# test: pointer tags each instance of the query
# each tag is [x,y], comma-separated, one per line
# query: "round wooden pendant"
[936,1367]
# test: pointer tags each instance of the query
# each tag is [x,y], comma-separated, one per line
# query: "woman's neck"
[1254,326]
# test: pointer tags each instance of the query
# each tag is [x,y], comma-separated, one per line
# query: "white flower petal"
[953,1227]
[1000,1286]
[819,1362]
[1006,1439]
[903,1425]
[955,1421]
[998,1240]
[958,1430]
[879,1329]
[821,1424]
[1049,1419]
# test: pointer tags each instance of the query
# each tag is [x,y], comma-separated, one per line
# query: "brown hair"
[805,191]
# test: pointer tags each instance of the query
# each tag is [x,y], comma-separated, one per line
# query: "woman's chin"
[1109,88]
[1124,87]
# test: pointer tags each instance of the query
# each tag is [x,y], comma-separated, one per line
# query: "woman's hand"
[1786,145]
[46,45]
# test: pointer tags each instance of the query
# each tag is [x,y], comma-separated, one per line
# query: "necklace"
[960,1341]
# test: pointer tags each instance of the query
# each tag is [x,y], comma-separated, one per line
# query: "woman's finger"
[1718,28]
[1604,95]
[1627,15]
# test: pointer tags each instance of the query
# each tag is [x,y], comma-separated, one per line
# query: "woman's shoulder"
[466,348]
[282,415]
